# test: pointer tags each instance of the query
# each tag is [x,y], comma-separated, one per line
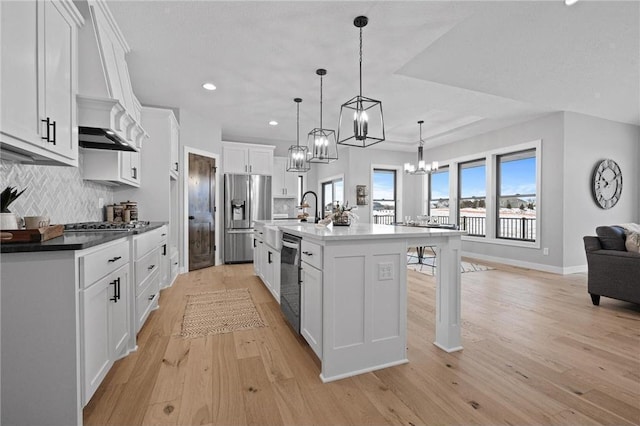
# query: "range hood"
[108,111]
[104,124]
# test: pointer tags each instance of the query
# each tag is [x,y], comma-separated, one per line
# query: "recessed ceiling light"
[209,86]
[273,123]
[570,2]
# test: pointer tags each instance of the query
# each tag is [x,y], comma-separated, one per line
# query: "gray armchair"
[613,271]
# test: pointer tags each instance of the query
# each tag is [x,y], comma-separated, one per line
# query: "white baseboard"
[560,270]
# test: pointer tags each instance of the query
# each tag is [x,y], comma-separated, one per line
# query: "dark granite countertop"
[75,240]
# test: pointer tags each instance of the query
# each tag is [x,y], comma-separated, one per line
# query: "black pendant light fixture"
[422,168]
[361,122]
[297,159]
[321,142]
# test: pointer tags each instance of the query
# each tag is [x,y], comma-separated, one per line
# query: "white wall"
[588,140]
[571,145]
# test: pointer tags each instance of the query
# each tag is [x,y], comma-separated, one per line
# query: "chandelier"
[422,168]
[361,123]
[297,158]
[321,142]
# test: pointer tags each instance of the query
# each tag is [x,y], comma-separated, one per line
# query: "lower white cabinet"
[311,307]
[266,264]
[165,259]
[104,311]
[106,327]
[146,255]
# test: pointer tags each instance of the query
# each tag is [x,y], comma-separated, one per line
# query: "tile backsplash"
[55,191]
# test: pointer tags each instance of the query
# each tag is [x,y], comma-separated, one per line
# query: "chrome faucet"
[317,215]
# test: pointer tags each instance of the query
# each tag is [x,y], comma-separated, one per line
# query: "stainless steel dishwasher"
[290,279]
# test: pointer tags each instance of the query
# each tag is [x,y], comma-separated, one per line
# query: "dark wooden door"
[202,189]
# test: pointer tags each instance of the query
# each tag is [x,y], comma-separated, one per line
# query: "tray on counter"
[31,235]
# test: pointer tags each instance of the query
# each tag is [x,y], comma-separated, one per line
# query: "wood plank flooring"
[536,351]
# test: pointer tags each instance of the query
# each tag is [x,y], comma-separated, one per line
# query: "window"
[472,190]
[438,206]
[384,196]
[332,193]
[516,196]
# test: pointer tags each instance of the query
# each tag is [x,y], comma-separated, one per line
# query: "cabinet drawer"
[146,242]
[145,300]
[147,266]
[311,253]
[99,263]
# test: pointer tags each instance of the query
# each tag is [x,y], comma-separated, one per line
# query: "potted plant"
[8,220]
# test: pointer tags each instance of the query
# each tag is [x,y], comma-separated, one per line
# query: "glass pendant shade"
[423,168]
[297,157]
[321,142]
[361,121]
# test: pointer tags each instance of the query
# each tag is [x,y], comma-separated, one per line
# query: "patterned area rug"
[428,266]
[219,312]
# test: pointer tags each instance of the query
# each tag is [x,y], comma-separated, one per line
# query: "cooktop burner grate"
[104,226]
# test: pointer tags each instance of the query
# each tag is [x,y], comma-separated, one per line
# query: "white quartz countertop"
[363,231]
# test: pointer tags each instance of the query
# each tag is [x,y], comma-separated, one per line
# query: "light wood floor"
[536,351]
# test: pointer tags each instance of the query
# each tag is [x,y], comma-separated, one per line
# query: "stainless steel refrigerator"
[247,198]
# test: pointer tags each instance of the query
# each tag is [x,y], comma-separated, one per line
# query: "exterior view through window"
[517,196]
[439,196]
[472,209]
[332,193]
[384,196]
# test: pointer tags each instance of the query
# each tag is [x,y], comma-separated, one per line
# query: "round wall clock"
[606,183]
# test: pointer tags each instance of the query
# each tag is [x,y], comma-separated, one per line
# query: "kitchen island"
[354,293]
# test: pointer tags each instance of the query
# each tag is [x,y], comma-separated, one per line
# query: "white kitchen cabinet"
[284,184]
[272,276]
[111,167]
[258,253]
[174,140]
[165,260]
[146,254]
[311,299]
[240,158]
[38,76]
[106,326]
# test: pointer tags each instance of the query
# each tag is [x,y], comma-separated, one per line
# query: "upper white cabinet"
[111,167]
[284,183]
[174,141]
[38,76]
[240,158]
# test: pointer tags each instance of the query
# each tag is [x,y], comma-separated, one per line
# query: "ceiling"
[465,67]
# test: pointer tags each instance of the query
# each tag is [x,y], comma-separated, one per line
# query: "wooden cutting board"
[31,235]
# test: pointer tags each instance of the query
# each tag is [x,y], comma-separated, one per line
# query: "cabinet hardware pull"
[254,243]
[164,249]
[270,257]
[152,296]
[114,259]
[54,133]
[191,217]
[176,163]
[135,172]
[48,120]
[151,267]
[308,253]
[115,291]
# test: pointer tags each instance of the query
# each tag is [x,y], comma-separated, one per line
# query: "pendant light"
[422,168]
[361,122]
[297,159]
[321,142]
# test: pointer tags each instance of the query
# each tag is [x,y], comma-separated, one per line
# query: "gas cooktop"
[104,226]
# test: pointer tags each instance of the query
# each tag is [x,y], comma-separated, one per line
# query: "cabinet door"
[97,361]
[275,277]
[261,161]
[235,159]
[174,166]
[291,184]
[58,98]
[130,167]
[311,309]
[165,266]
[119,312]
[18,70]
[277,181]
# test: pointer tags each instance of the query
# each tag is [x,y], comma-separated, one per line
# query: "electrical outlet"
[385,271]
[545,251]
[100,202]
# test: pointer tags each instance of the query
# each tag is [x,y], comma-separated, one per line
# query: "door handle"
[191,217]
